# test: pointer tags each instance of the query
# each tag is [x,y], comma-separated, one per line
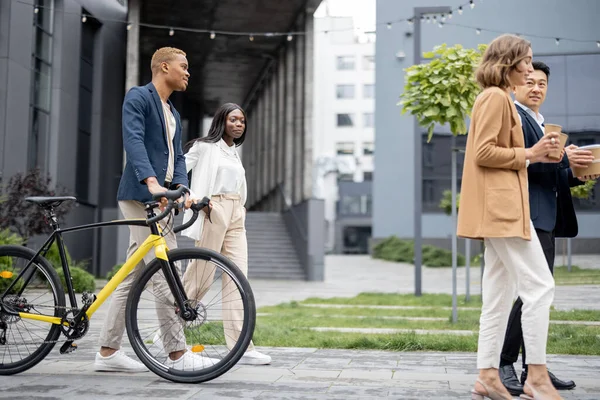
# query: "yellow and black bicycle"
[34,314]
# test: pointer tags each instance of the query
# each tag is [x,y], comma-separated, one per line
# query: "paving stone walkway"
[311,374]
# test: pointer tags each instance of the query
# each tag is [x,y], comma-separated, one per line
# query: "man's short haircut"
[164,54]
[540,66]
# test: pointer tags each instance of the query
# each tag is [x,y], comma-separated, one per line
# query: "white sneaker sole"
[102,367]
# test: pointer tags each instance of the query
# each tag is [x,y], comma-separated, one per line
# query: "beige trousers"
[514,263]
[226,235]
[171,326]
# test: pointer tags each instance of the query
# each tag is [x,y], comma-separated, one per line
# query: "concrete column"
[281,117]
[133,46]
[289,120]
[308,106]
[266,97]
[299,119]
[273,135]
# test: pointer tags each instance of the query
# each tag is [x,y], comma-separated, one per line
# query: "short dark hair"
[540,66]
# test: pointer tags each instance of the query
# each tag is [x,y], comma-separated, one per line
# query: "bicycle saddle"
[48,202]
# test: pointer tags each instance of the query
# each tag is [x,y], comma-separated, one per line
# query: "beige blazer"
[203,160]
[494,199]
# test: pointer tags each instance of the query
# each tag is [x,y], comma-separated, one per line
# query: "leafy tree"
[443,90]
[27,219]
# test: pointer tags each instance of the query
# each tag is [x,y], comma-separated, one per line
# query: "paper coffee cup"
[552,128]
[594,167]
[562,140]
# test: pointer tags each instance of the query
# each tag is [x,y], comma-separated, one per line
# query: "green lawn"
[577,276]
[288,325]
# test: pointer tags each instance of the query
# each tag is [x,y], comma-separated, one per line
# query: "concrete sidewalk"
[295,374]
[310,374]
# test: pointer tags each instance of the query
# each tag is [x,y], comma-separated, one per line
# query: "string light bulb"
[251,38]
[289,38]
[443,17]
[450,14]
[129,26]
[441,24]
[171,32]
[389,25]
[557,41]
[83,18]
[598,43]
[478,31]
[460,10]
[471,4]
[36,10]
[213,35]
[410,21]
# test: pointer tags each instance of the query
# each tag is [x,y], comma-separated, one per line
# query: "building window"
[86,90]
[367,175]
[368,62]
[346,177]
[368,91]
[355,205]
[344,91]
[345,63]
[368,148]
[369,120]
[345,120]
[345,148]
[41,65]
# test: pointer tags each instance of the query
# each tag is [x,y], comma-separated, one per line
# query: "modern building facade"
[62,81]
[571,101]
[344,97]
[65,66]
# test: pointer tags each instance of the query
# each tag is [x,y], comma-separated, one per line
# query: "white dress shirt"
[230,173]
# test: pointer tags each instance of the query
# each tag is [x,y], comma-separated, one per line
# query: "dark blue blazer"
[550,201]
[146,146]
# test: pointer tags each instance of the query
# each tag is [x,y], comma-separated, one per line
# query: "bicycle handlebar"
[171,196]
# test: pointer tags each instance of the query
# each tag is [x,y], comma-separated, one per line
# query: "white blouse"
[230,172]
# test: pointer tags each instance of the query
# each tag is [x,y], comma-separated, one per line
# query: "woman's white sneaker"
[118,362]
[190,361]
[255,358]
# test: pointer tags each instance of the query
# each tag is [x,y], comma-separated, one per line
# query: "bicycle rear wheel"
[38,291]
[221,331]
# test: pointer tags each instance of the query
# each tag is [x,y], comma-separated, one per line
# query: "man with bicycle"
[155,162]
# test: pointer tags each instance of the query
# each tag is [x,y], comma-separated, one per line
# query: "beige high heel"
[491,394]
[536,395]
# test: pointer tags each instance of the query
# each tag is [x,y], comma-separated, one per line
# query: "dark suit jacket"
[549,211]
[146,146]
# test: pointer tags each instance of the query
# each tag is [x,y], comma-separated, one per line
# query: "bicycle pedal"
[68,347]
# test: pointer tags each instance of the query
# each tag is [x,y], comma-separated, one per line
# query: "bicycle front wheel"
[219,334]
[25,342]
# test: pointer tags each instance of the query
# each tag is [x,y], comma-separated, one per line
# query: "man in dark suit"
[155,163]
[551,209]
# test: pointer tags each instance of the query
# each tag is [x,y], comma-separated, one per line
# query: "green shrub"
[438,257]
[5,282]
[113,271]
[7,238]
[82,280]
[394,249]
[398,250]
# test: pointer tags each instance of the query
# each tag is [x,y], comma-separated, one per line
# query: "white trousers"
[514,266]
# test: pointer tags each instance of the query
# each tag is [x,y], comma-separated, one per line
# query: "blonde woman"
[494,207]
[217,173]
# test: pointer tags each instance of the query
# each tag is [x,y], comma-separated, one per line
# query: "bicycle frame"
[153,241]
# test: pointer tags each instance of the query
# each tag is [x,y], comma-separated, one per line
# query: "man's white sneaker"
[190,361]
[118,362]
[255,358]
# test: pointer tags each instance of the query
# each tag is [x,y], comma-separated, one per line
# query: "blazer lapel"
[532,123]
[159,109]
